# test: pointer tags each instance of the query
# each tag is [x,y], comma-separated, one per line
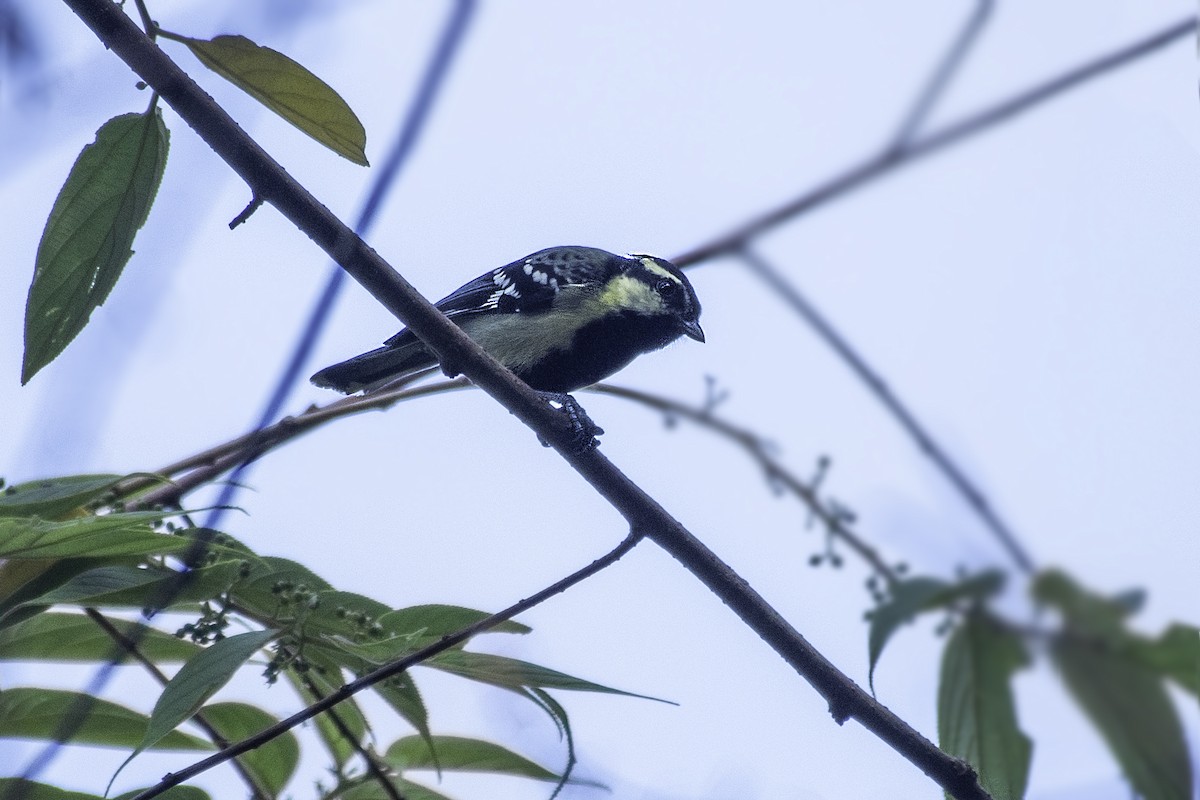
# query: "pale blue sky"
[1032,294]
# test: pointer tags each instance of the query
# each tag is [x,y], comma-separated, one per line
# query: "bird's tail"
[371,370]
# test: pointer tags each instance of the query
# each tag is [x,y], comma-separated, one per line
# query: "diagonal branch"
[933,90]
[908,421]
[756,447]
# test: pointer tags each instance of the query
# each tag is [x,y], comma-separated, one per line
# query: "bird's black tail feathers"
[371,370]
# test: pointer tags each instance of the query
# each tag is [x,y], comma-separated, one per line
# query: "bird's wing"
[526,286]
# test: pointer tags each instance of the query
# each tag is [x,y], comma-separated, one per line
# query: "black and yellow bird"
[561,319]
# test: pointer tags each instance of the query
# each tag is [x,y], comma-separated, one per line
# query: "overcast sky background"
[1032,294]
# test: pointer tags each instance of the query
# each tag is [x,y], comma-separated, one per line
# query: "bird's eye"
[666,287]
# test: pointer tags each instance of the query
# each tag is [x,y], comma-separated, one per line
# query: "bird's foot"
[583,430]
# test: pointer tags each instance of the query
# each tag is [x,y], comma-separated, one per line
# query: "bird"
[561,319]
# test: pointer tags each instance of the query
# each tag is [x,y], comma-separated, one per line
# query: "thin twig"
[377,769]
[927,444]
[877,166]
[392,669]
[191,473]
[945,72]
[756,448]
[131,647]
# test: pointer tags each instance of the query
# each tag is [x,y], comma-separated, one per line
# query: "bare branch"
[908,421]
[943,74]
[878,166]
[756,447]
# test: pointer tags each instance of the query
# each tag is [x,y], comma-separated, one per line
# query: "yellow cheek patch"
[629,294]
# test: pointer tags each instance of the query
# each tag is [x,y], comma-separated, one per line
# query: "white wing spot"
[528,268]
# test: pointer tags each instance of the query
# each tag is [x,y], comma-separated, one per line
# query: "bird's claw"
[584,431]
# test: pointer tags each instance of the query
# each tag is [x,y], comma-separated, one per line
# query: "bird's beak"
[692,329]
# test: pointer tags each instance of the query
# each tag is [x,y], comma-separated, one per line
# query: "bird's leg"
[583,430]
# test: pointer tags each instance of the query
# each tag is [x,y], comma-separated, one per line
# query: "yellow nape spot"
[630,294]
[658,269]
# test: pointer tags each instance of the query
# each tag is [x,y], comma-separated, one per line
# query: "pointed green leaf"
[914,596]
[199,679]
[371,790]
[288,89]
[181,792]
[54,497]
[21,582]
[977,720]
[402,694]
[1086,612]
[21,789]
[272,764]
[459,754]
[196,681]
[126,534]
[89,235]
[322,680]
[30,713]
[120,586]
[1129,706]
[53,636]
[1175,654]
[513,674]
[436,620]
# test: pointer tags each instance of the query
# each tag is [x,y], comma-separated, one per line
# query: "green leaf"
[1175,655]
[196,681]
[513,674]
[259,591]
[74,637]
[371,790]
[54,497]
[1086,612]
[199,679]
[401,693]
[435,620]
[325,677]
[181,792]
[288,89]
[30,713]
[459,754]
[914,596]
[126,534]
[1128,704]
[977,720]
[22,582]
[122,586]
[89,235]
[21,789]
[272,764]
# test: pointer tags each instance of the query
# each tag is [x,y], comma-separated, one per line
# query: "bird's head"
[653,286]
